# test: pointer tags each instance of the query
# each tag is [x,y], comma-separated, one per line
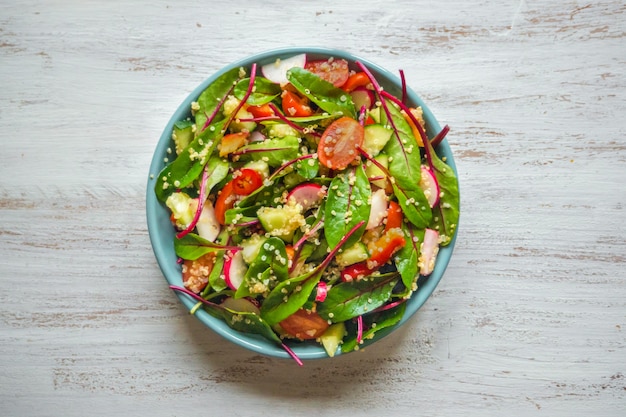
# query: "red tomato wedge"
[394,216]
[263,110]
[246,181]
[231,142]
[335,71]
[338,146]
[304,325]
[225,200]
[360,79]
[294,106]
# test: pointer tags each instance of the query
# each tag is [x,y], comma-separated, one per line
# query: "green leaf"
[329,98]
[406,259]
[188,166]
[274,151]
[414,205]
[244,322]
[263,91]
[405,166]
[351,299]
[347,204]
[446,213]
[191,247]
[308,168]
[213,95]
[383,320]
[269,267]
[288,296]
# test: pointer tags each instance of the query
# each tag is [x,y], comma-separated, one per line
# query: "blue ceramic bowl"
[162,233]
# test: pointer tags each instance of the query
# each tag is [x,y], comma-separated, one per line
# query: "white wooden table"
[530,318]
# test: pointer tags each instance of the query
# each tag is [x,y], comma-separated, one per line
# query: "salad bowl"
[163,234]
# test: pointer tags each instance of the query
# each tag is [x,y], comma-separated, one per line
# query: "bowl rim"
[159,234]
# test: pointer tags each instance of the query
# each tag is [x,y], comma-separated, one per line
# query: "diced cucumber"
[353,254]
[281,130]
[375,138]
[332,337]
[282,221]
[373,171]
[375,114]
[251,247]
[182,135]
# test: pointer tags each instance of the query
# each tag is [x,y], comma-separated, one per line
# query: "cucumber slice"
[373,171]
[332,337]
[375,138]
[182,135]
[353,254]
[282,221]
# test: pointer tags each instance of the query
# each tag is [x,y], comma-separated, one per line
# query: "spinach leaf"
[273,151]
[188,166]
[269,267]
[244,322]
[216,277]
[351,299]
[263,91]
[308,168]
[374,323]
[347,204]
[405,164]
[407,258]
[288,296]
[446,213]
[329,98]
[191,246]
[213,96]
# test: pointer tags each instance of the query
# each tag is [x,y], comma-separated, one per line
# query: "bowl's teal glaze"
[162,233]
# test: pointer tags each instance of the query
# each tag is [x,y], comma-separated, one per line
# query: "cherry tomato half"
[335,71]
[338,145]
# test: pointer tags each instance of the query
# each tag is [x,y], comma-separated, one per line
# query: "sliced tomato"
[391,241]
[225,200]
[196,273]
[263,110]
[359,79]
[394,216]
[231,142]
[304,325]
[246,181]
[338,146]
[335,71]
[295,106]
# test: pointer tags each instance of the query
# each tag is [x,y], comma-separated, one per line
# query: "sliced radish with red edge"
[208,227]
[362,97]
[428,183]
[235,270]
[307,195]
[378,209]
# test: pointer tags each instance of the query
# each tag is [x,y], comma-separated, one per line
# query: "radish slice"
[362,97]
[428,183]
[256,136]
[378,209]
[428,252]
[276,71]
[322,291]
[241,305]
[235,270]
[208,226]
[307,195]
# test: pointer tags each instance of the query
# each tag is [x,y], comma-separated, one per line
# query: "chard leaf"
[405,166]
[288,296]
[446,213]
[273,151]
[329,98]
[213,96]
[347,204]
[414,205]
[270,264]
[187,166]
[308,168]
[406,259]
[216,277]
[263,91]
[383,320]
[351,299]
[244,322]
[191,246]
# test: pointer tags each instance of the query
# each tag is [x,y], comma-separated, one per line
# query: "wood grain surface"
[530,317]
